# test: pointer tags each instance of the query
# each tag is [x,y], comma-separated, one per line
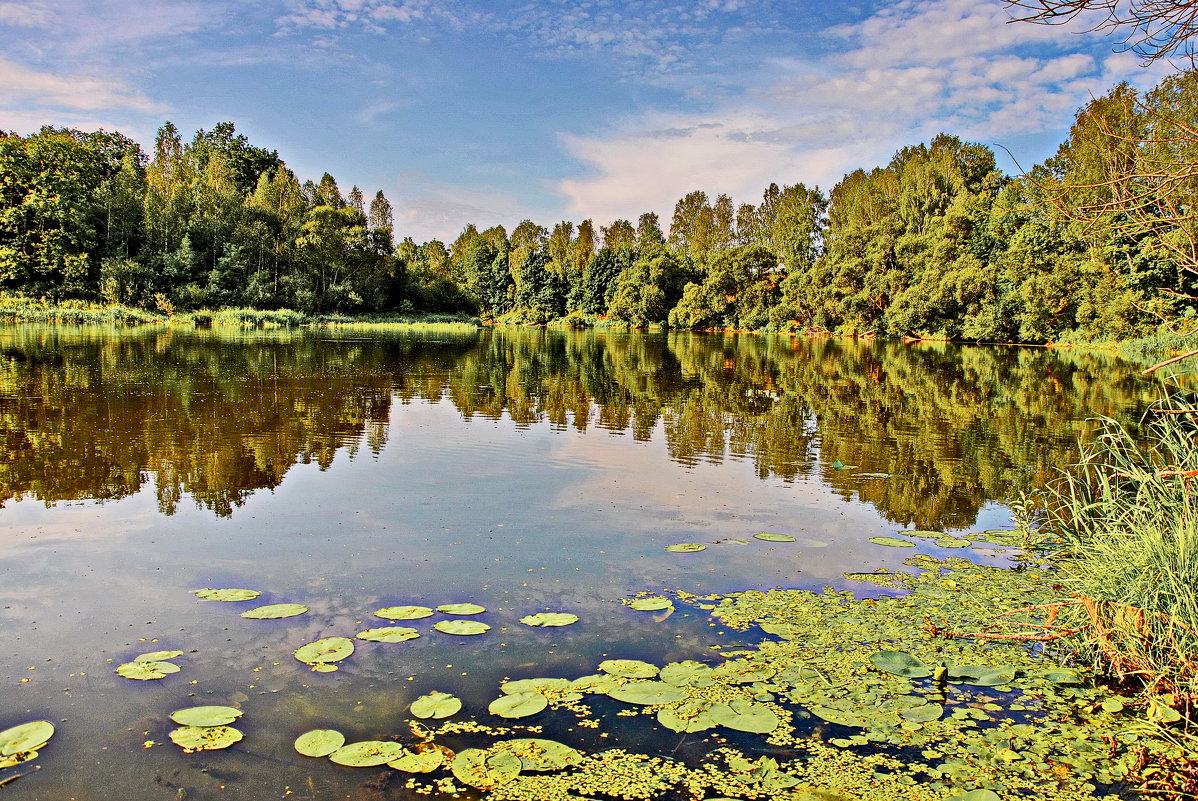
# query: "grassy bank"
[26,310]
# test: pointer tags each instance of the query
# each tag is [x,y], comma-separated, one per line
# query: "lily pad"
[839,465]
[421,758]
[838,716]
[436,705]
[227,594]
[549,619]
[274,611]
[646,692]
[536,686]
[953,542]
[485,770]
[157,656]
[873,475]
[539,755]
[12,760]
[518,705]
[770,536]
[461,609]
[597,683]
[688,673]
[689,717]
[1060,676]
[655,604]
[981,676]
[893,542]
[900,664]
[319,742]
[924,713]
[206,715]
[324,651]
[205,738]
[25,737]
[981,794]
[741,672]
[629,668]
[461,627]
[367,754]
[146,671]
[388,634]
[745,716]
[686,547]
[404,612]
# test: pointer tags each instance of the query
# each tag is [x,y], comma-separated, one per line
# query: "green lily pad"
[436,705]
[461,609]
[274,611]
[953,542]
[654,604]
[549,619]
[785,630]
[1112,705]
[485,770]
[984,676]
[324,651]
[404,612]
[924,713]
[518,705]
[689,717]
[157,656]
[981,794]
[770,536]
[646,692]
[536,686]
[388,634]
[367,754]
[838,716]
[688,673]
[924,534]
[319,742]
[745,716]
[629,668]
[839,465]
[873,475]
[206,715]
[228,594]
[598,683]
[900,664]
[893,542]
[12,760]
[25,737]
[205,738]
[742,672]
[421,758]
[461,627]
[539,755]
[146,671]
[1060,675]
[686,547]
[324,667]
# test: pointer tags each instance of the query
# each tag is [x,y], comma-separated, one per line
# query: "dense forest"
[1093,244]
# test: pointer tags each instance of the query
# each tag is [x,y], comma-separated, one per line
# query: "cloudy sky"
[492,111]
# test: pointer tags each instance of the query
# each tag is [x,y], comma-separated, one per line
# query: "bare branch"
[1153,29]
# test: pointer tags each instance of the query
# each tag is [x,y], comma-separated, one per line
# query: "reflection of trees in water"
[95,415]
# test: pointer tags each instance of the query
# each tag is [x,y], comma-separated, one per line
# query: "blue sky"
[494,111]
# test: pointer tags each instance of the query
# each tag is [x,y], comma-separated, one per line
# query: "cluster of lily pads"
[151,666]
[21,743]
[765,536]
[205,728]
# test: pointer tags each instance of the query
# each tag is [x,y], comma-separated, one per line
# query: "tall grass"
[1129,513]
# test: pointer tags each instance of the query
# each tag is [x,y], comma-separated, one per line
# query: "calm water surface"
[523,470]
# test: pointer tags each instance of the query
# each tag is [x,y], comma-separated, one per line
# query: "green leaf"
[146,671]
[924,713]
[26,737]
[205,738]
[388,634]
[687,673]
[1060,675]
[770,536]
[518,705]
[206,715]
[539,755]
[629,668]
[893,542]
[461,627]
[404,612]
[436,705]
[536,686]
[324,650]
[549,619]
[839,465]
[685,547]
[745,716]
[367,754]
[229,594]
[741,672]
[274,611]
[484,770]
[319,742]
[900,664]
[461,609]
[157,656]
[977,795]
[654,604]
[422,758]
[689,717]
[646,692]
[984,676]
[953,542]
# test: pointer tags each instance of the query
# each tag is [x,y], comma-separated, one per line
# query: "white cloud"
[425,209]
[28,14]
[22,86]
[910,71]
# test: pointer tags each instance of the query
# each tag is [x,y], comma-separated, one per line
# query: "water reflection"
[214,416]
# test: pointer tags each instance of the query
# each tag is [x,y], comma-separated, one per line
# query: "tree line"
[937,243]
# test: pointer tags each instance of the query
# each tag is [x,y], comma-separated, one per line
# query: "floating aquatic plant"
[206,715]
[549,619]
[205,738]
[404,612]
[367,754]
[654,604]
[770,536]
[25,737]
[461,609]
[274,611]
[518,705]
[319,742]
[229,594]
[461,627]
[388,634]
[436,704]
[686,547]
[321,653]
